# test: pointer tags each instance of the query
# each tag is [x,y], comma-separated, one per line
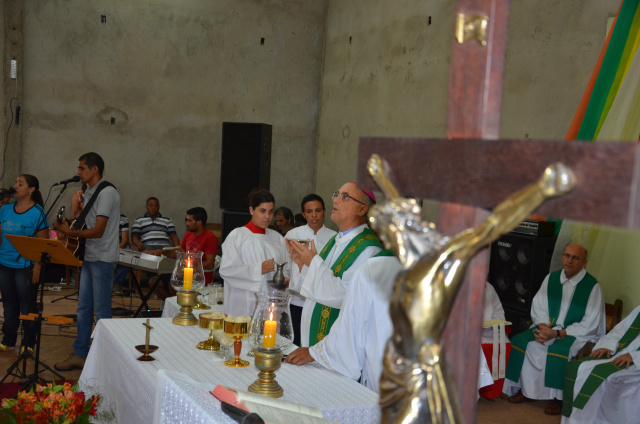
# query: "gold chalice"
[237,327]
[201,305]
[211,321]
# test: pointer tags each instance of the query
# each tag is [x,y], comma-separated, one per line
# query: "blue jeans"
[18,297]
[96,282]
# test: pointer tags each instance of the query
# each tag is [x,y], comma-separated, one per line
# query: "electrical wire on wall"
[14,76]
[6,136]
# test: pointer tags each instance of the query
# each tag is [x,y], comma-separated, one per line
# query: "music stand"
[45,251]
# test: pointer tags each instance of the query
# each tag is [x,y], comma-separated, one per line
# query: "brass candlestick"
[212,321]
[268,363]
[186,300]
[146,348]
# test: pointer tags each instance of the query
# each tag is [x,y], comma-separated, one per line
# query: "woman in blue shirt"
[18,277]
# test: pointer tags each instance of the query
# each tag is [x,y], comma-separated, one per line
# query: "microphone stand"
[64,187]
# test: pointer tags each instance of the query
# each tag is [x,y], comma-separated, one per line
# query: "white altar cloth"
[129,387]
[171,308]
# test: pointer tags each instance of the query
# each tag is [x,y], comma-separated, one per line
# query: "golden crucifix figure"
[416,386]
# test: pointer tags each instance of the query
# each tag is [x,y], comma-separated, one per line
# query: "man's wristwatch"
[558,334]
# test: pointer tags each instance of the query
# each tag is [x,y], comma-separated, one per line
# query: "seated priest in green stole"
[567,312]
[605,386]
[324,278]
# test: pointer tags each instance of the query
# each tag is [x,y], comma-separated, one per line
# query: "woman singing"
[18,277]
[248,255]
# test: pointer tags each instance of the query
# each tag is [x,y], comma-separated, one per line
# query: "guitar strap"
[79,222]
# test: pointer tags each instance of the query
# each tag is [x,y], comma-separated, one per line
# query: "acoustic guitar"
[74,244]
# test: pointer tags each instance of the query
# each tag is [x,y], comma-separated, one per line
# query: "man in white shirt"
[567,312]
[313,211]
[326,280]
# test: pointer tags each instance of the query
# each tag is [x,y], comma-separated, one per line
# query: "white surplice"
[591,327]
[492,311]
[355,345]
[617,399]
[241,267]
[319,284]
[320,239]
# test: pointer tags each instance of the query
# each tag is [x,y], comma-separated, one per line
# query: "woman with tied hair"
[19,278]
[283,218]
[248,255]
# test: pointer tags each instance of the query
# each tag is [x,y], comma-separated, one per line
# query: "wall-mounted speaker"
[246,162]
[517,266]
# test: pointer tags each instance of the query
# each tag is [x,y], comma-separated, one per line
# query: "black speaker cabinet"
[520,321]
[246,162]
[518,264]
[232,220]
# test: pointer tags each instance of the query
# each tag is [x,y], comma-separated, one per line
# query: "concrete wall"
[170,72]
[386,72]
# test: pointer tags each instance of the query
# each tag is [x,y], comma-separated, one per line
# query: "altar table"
[136,390]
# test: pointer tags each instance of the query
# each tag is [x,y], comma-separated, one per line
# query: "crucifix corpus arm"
[416,385]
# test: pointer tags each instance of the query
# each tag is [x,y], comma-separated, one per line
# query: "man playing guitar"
[101,254]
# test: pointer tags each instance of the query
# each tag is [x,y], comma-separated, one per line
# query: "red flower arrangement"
[50,404]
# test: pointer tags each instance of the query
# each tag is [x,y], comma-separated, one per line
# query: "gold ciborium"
[237,328]
[200,305]
[211,321]
[186,300]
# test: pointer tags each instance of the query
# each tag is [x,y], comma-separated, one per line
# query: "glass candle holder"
[270,333]
[188,274]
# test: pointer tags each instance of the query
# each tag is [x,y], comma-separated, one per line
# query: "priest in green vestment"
[567,312]
[604,388]
[324,277]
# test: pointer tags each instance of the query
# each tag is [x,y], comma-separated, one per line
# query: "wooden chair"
[613,317]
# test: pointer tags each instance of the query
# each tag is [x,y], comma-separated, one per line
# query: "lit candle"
[270,328]
[188,277]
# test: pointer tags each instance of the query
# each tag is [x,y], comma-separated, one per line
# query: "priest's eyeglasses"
[573,257]
[345,196]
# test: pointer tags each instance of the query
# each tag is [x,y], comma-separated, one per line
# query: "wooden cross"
[472,168]
[149,328]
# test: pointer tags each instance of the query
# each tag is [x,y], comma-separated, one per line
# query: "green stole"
[558,352]
[599,373]
[323,316]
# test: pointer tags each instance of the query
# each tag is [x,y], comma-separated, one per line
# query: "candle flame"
[271,310]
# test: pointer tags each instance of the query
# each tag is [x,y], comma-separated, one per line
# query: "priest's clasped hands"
[544,333]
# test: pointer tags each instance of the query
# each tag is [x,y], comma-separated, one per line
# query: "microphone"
[8,192]
[73,179]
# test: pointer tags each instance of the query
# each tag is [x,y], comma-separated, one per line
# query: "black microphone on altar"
[73,179]
[7,192]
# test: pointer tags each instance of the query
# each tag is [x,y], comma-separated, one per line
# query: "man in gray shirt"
[101,254]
